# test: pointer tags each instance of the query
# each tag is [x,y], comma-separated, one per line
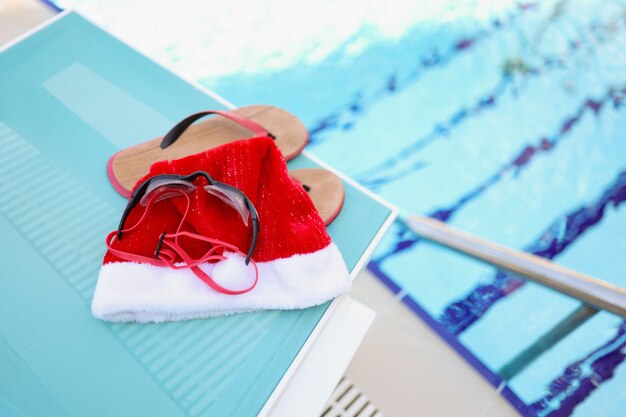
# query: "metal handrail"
[590,290]
[594,293]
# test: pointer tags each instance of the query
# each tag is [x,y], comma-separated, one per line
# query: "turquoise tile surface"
[71,97]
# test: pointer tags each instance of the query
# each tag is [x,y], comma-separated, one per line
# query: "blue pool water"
[507,121]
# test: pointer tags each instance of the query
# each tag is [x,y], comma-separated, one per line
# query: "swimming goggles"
[168,248]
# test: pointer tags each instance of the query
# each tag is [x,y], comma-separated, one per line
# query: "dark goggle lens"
[162,189]
[232,198]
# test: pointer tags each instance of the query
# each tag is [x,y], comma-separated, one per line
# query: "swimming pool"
[505,120]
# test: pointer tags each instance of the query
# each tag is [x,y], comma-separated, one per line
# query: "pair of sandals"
[126,167]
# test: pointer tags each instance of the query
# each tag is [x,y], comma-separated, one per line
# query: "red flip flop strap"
[176,131]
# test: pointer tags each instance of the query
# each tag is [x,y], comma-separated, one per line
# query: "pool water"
[505,119]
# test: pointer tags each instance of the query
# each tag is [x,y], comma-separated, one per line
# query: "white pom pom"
[233,273]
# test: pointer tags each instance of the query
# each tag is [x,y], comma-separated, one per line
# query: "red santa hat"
[298,265]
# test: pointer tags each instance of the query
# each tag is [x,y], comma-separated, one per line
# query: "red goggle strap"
[166,256]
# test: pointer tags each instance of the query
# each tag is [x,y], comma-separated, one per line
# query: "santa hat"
[298,264]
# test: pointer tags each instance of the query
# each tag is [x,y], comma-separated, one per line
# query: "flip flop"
[126,167]
[325,189]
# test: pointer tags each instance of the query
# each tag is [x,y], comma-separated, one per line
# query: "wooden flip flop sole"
[325,189]
[126,167]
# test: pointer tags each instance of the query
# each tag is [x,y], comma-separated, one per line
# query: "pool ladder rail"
[594,293]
